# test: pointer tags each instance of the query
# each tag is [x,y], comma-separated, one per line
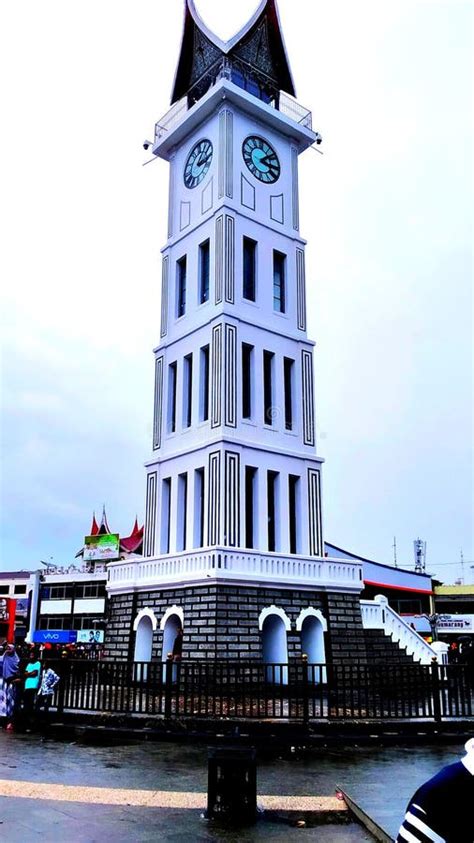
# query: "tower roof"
[259,45]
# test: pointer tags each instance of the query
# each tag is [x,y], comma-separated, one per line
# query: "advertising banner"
[7,617]
[101,548]
[55,636]
[22,607]
[90,636]
[456,623]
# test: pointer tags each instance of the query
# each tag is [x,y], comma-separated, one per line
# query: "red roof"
[133,542]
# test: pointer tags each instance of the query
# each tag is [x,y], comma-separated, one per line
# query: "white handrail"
[377,614]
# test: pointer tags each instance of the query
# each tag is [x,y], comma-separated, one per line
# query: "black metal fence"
[296,691]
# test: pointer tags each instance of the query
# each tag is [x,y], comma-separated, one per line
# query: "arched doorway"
[274,625]
[172,626]
[312,626]
[143,644]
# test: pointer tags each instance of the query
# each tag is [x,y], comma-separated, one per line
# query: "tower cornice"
[170,132]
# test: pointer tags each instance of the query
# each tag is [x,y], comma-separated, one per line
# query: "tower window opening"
[288,369]
[181,513]
[268,410]
[249,269]
[204,384]
[172,377]
[272,509]
[204,267]
[250,502]
[188,390]
[279,303]
[181,287]
[247,380]
[294,513]
[199,507]
[165,515]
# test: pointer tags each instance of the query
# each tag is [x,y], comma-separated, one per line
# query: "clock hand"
[203,160]
[268,161]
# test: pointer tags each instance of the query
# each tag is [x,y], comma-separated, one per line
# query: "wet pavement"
[381,780]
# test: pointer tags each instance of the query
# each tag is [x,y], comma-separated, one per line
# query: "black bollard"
[232,785]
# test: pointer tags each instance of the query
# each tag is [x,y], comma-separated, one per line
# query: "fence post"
[305,684]
[168,683]
[436,687]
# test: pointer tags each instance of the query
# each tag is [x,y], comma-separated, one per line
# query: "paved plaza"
[60,791]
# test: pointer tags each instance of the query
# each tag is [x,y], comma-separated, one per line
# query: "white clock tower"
[233,546]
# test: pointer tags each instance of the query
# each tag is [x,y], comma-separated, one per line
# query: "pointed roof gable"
[94,526]
[134,542]
[104,527]
[259,43]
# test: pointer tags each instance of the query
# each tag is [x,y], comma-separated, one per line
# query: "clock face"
[198,163]
[261,159]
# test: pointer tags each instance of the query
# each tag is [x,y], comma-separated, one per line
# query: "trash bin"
[232,785]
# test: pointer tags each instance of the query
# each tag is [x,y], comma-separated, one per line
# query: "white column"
[303,513]
[34,583]
[278,397]
[282,513]
[261,523]
[174,514]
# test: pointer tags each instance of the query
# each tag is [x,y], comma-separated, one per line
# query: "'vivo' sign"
[55,636]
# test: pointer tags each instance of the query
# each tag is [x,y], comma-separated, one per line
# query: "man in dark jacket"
[441,811]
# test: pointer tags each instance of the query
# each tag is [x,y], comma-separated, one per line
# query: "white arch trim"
[173,610]
[311,613]
[145,613]
[274,610]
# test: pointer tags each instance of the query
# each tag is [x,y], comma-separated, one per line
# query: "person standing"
[32,676]
[49,680]
[9,679]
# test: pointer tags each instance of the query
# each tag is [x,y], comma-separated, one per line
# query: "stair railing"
[377,614]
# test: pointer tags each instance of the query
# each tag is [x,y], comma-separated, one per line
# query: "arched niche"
[172,610]
[172,624]
[144,625]
[312,625]
[274,624]
[170,628]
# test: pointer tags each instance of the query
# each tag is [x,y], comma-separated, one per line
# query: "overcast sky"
[387,211]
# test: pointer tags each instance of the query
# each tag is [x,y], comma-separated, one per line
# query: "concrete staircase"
[390,640]
[381,649]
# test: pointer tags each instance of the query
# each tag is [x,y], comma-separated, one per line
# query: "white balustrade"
[226,564]
[377,614]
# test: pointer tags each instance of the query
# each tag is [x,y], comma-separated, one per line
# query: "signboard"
[55,636]
[22,607]
[101,548]
[456,623]
[90,636]
[7,617]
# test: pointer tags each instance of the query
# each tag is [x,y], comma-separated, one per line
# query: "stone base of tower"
[231,621]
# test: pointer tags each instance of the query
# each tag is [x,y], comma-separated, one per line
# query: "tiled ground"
[381,780]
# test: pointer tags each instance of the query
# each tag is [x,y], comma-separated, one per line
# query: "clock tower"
[233,544]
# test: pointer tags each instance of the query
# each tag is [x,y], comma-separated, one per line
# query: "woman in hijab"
[9,676]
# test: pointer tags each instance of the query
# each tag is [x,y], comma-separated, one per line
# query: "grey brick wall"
[346,634]
[221,621]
